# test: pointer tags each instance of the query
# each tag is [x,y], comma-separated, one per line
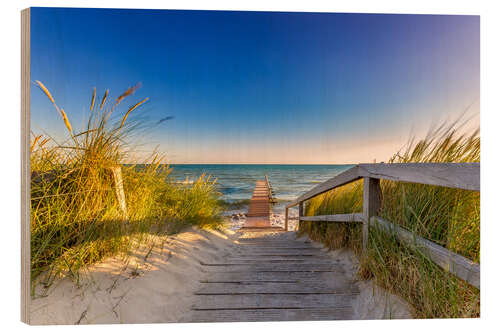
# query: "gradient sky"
[260,87]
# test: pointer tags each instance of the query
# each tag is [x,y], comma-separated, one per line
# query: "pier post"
[301,211]
[372,197]
[120,194]
[286,219]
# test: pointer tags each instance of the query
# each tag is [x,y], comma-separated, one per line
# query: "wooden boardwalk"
[274,278]
[259,210]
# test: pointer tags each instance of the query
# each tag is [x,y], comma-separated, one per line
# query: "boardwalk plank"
[251,315]
[272,276]
[297,267]
[276,288]
[252,301]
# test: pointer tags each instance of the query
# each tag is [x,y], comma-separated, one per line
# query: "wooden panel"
[25,167]
[355,217]
[265,267]
[279,252]
[275,288]
[455,175]
[278,256]
[278,261]
[341,313]
[271,276]
[281,247]
[463,268]
[253,301]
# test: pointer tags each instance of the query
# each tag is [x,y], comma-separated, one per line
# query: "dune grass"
[449,217]
[76,219]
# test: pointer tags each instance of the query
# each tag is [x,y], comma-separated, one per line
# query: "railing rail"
[454,175]
[270,188]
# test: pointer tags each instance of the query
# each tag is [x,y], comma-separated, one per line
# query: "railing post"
[286,219]
[301,211]
[120,194]
[372,198]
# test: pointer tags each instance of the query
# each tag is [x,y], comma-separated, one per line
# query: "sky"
[259,87]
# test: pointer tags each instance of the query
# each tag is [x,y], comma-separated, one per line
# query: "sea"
[236,181]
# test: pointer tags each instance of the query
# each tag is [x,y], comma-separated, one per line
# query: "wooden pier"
[259,210]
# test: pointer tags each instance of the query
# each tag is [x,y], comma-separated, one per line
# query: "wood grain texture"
[251,315]
[25,167]
[271,276]
[274,278]
[120,194]
[454,263]
[354,217]
[253,301]
[372,199]
[274,288]
[454,175]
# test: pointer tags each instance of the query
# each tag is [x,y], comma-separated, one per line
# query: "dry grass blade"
[93,100]
[35,141]
[132,109]
[127,92]
[104,99]
[46,91]
[66,121]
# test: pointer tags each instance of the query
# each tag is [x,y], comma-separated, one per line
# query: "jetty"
[260,210]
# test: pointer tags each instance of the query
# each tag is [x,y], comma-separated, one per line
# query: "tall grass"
[76,219]
[449,217]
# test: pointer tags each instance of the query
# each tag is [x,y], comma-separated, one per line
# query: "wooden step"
[252,315]
[272,288]
[257,301]
[272,276]
[266,267]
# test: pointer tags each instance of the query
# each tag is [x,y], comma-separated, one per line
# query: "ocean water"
[236,181]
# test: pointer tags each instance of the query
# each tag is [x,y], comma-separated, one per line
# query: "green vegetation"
[449,217]
[76,218]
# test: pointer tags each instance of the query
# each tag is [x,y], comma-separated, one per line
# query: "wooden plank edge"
[453,175]
[355,217]
[25,166]
[463,268]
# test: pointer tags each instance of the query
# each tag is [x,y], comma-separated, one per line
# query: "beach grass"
[76,218]
[449,217]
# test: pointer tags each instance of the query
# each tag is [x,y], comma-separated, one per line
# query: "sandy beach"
[155,283]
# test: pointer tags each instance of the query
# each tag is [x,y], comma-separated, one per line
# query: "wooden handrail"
[450,261]
[270,190]
[453,175]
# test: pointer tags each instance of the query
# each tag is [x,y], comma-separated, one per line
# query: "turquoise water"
[237,181]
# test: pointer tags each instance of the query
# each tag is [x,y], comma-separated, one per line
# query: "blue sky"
[260,87]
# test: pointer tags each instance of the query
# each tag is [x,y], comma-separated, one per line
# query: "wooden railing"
[454,175]
[272,199]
